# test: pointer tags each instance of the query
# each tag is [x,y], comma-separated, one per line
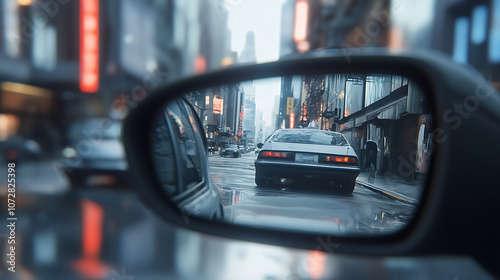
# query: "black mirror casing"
[465,109]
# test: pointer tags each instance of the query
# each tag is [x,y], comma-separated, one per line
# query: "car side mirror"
[378,90]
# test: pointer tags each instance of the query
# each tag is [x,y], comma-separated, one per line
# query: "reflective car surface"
[180,161]
[231,150]
[308,154]
[94,149]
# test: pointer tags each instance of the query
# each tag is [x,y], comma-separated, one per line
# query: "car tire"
[346,188]
[260,181]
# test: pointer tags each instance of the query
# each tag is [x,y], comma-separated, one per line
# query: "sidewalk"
[398,189]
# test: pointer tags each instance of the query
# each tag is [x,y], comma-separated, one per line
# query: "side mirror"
[400,101]
[260,145]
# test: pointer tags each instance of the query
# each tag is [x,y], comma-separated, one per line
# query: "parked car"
[230,150]
[17,148]
[308,154]
[94,149]
[251,147]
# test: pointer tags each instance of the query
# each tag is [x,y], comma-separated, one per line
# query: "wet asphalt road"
[303,207]
[129,241]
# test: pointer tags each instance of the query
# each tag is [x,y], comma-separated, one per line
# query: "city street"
[293,206]
[134,242]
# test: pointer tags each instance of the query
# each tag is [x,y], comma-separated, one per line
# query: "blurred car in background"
[230,150]
[17,148]
[94,149]
[251,147]
[308,154]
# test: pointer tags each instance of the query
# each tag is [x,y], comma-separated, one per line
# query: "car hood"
[310,148]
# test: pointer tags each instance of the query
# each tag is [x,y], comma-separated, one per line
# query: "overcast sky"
[263,17]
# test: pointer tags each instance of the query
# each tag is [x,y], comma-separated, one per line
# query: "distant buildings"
[369,107]
[130,48]
[248,56]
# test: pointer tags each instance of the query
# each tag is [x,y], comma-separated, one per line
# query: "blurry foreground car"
[230,150]
[94,149]
[308,154]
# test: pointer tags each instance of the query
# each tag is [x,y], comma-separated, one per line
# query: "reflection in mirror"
[341,154]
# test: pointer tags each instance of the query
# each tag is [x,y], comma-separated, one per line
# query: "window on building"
[377,87]
[494,43]
[461,40]
[479,24]
[354,94]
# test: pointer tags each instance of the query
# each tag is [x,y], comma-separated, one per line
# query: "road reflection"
[303,206]
[97,232]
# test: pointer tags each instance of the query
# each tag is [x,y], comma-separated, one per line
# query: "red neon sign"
[292,120]
[89,45]
[301,14]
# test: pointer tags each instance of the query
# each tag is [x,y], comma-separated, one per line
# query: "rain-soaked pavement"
[303,207]
[98,232]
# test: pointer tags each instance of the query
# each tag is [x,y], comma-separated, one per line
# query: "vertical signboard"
[289,105]
[89,45]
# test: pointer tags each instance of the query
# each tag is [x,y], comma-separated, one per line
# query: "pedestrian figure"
[371,159]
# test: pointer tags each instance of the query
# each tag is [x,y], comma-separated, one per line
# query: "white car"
[307,154]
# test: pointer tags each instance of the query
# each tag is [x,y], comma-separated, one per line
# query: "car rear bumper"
[270,169]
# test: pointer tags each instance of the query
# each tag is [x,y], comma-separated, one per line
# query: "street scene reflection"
[341,153]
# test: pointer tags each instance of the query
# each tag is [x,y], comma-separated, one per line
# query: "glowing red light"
[89,45]
[200,64]
[301,14]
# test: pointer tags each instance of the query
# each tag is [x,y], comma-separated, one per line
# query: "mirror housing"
[437,227]
[260,145]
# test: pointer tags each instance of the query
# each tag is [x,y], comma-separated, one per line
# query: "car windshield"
[232,147]
[314,137]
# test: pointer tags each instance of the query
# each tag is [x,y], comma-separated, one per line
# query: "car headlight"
[69,152]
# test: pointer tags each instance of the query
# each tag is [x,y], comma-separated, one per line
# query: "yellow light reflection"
[26,89]
[24,2]
[8,126]
[226,61]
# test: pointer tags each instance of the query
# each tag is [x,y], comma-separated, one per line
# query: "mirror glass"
[341,154]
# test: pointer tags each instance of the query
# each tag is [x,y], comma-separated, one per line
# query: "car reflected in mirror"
[340,153]
[179,158]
